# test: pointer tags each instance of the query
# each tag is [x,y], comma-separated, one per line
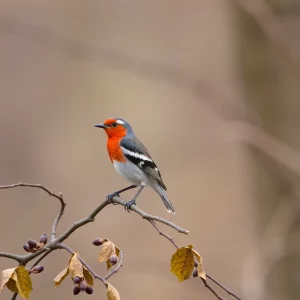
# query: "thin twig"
[41,258]
[223,287]
[211,289]
[14,296]
[163,234]
[148,217]
[39,186]
[57,219]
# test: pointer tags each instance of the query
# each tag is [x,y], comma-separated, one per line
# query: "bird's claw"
[128,205]
[110,197]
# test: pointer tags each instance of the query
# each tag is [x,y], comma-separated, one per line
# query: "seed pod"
[195,273]
[43,239]
[82,285]
[76,290]
[113,259]
[37,269]
[89,290]
[33,244]
[98,242]
[77,279]
[27,248]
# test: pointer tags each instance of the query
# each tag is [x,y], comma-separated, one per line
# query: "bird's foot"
[129,204]
[110,197]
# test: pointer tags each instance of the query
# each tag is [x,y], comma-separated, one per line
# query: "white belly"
[131,172]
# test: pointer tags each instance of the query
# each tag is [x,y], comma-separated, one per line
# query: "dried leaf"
[201,271]
[108,248]
[7,280]
[112,293]
[24,284]
[17,280]
[61,276]
[182,263]
[75,265]
[200,268]
[88,276]
[108,263]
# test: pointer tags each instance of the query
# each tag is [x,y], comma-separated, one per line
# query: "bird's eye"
[115,124]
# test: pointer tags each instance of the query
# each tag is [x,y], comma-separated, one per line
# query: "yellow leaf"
[6,279]
[108,263]
[17,280]
[112,293]
[75,265]
[108,248]
[23,282]
[182,263]
[61,276]
[87,276]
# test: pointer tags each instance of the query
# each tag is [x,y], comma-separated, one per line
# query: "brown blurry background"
[210,86]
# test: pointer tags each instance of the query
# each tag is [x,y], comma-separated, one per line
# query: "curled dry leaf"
[182,263]
[200,268]
[112,293]
[108,263]
[61,276]
[75,265]
[17,280]
[108,248]
[88,276]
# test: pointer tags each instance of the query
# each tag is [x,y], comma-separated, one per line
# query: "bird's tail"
[165,200]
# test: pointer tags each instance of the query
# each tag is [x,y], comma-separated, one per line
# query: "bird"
[132,160]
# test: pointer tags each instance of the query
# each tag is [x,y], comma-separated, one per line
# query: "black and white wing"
[138,154]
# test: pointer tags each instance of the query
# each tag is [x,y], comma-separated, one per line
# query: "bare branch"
[56,243]
[39,186]
[223,287]
[163,234]
[150,217]
[57,219]
[211,289]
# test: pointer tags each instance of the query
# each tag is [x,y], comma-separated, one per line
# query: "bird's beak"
[101,126]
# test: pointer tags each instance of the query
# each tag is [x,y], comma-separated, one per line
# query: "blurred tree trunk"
[272,88]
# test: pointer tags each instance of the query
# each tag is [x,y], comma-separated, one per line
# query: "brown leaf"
[87,276]
[108,263]
[201,271]
[7,280]
[182,263]
[75,265]
[17,280]
[61,276]
[112,293]
[108,248]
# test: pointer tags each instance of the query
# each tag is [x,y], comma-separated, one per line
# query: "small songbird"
[132,160]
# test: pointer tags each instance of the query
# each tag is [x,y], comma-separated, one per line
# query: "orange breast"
[114,150]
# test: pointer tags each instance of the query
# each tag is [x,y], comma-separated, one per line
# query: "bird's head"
[115,127]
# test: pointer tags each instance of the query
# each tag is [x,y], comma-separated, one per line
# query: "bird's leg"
[117,193]
[132,202]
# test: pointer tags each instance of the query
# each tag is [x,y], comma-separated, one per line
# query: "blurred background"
[210,86]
